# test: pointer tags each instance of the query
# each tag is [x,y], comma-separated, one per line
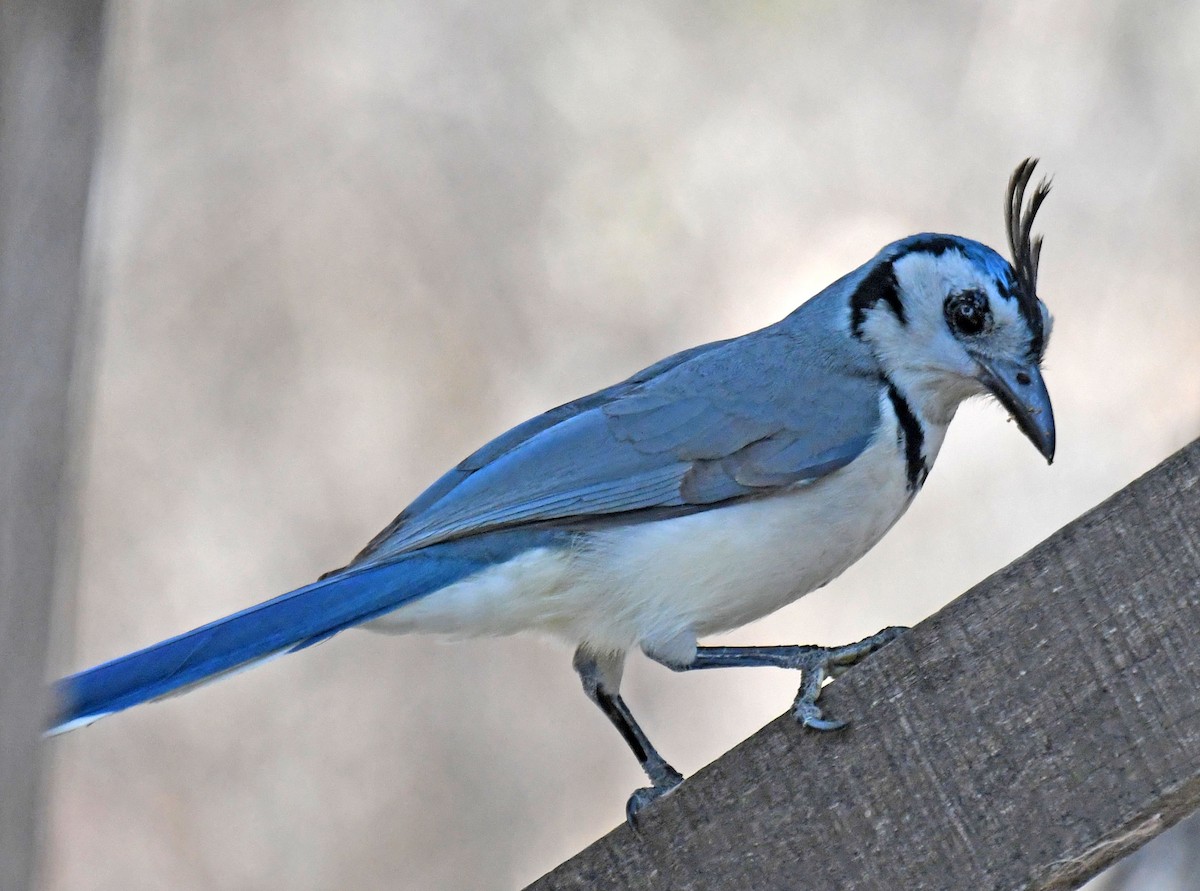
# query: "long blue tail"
[285,624]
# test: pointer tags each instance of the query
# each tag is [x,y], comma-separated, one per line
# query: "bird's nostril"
[1023,379]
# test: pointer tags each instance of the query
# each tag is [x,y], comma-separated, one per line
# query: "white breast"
[689,576]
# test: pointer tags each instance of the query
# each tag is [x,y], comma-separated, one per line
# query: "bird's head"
[949,318]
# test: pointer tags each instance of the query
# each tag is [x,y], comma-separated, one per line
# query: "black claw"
[823,724]
[638,800]
[645,796]
[808,713]
[830,662]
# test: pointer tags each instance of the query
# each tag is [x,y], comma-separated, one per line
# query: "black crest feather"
[1025,248]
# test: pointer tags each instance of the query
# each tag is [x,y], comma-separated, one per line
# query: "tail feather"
[286,623]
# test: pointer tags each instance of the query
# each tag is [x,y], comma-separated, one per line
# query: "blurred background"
[337,246]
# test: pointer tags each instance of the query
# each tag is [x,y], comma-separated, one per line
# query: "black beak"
[1021,390]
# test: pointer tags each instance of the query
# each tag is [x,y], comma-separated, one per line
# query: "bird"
[701,493]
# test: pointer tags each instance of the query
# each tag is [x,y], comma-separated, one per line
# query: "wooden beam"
[1037,728]
[49,64]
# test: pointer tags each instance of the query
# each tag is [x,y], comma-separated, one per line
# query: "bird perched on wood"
[703,492]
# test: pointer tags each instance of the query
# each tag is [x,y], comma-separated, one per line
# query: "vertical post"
[49,70]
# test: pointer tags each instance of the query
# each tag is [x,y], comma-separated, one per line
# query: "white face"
[954,317]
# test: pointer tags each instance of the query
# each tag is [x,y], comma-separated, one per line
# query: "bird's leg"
[601,677]
[814,663]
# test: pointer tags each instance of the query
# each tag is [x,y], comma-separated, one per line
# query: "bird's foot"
[666,782]
[820,663]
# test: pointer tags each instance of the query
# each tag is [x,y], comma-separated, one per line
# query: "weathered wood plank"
[49,63]
[1034,730]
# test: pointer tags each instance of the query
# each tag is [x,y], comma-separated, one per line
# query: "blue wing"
[718,423]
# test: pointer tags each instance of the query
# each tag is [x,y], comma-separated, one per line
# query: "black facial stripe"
[913,437]
[881,284]
[1030,312]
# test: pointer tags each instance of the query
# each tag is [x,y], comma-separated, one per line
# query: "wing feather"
[727,421]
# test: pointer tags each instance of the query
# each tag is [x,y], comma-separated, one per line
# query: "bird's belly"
[722,568]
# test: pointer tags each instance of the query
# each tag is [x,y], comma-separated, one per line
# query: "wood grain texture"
[49,63]
[1036,729]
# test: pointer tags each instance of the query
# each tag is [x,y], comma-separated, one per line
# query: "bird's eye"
[967,312]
